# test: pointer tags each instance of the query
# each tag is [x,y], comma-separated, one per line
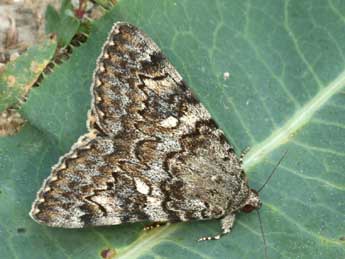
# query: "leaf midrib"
[146,241]
[297,121]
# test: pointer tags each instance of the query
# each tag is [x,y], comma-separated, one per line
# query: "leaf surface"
[62,22]
[285,91]
[19,75]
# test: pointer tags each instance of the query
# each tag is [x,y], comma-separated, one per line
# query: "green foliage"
[285,92]
[19,75]
[63,23]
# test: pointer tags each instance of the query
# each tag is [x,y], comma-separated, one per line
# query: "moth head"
[253,202]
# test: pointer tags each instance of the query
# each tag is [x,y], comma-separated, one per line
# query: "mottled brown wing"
[153,152]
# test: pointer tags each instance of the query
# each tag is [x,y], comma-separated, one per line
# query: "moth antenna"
[273,171]
[263,234]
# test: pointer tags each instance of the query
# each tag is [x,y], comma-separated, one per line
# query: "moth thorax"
[253,202]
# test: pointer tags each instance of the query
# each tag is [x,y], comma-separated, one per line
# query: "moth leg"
[154,225]
[227,223]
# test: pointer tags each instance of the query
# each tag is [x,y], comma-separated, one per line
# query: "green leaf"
[286,64]
[19,75]
[63,23]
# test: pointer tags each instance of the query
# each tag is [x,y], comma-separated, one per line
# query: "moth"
[152,152]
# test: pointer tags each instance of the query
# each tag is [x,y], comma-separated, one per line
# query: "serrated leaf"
[63,23]
[284,92]
[19,75]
